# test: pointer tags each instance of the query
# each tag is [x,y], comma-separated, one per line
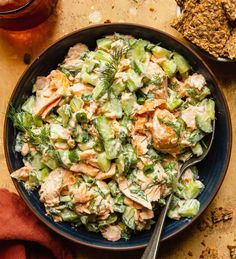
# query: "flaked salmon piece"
[61,145]
[111,172]
[125,186]
[50,107]
[82,195]
[87,154]
[91,109]
[93,162]
[55,87]
[132,204]
[196,80]
[154,69]
[57,180]
[75,53]
[22,173]
[140,143]
[145,214]
[25,149]
[144,181]
[85,169]
[111,233]
[140,125]
[124,65]
[150,105]
[187,175]
[153,193]
[81,88]
[189,115]
[181,87]
[82,208]
[164,137]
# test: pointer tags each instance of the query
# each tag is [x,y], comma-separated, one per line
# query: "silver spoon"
[153,245]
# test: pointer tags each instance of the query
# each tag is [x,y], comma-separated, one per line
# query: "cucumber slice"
[103,163]
[118,87]
[204,123]
[181,63]
[114,106]
[190,208]
[160,52]
[134,81]
[128,103]
[170,67]
[104,44]
[29,104]
[197,149]
[112,148]
[104,128]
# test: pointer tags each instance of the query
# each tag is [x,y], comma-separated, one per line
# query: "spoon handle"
[153,245]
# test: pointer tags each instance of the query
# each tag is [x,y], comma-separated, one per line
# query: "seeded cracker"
[221,214]
[232,251]
[209,27]
[186,15]
[230,9]
[230,47]
[209,253]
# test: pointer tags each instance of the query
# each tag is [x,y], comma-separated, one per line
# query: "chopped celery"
[138,66]
[37,162]
[204,123]
[104,44]
[68,215]
[103,126]
[173,100]
[103,163]
[119,203]
[128,103]
[110,220]
[134,81]
[170,67]
[51,163]
[43,174]
[190,208]
[64,157]
[74,155]
[29,104]
[181,63]
[118,87]
[114,107]
[89,78]
[195,136]
[102,55]
[65,112]
[128,217]
[113,188]
[160,52]
[76,104]
[112,148]
[197,149]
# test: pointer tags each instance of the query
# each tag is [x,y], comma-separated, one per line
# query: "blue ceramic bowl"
[212,169]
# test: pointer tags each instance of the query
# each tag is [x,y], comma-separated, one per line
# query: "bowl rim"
[202,209]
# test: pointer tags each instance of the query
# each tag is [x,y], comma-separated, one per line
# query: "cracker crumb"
[151,9]
[205,224]
[221,214]
[203,243]
[232,251]
[209,253]
[190,253]
[107,21]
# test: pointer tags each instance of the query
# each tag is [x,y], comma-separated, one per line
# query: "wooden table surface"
[71,15]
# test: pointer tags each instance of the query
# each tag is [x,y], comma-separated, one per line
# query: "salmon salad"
[104,135]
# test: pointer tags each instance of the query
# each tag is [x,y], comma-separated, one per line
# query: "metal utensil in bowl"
[151,250]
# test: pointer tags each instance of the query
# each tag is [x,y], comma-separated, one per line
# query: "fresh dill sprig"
[109,71]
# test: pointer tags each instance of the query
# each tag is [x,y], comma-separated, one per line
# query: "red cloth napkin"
[22,235]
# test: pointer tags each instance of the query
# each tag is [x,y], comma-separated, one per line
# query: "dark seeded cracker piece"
[230,47]
[232,251]
[221,214]
[186,15]
[209,253]
[208,28]
[230,9]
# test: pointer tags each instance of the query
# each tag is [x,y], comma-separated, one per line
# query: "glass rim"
[13,11]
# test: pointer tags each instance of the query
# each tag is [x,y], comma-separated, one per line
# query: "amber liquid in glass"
[28,15]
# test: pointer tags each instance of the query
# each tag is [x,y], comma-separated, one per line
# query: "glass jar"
[25,14]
